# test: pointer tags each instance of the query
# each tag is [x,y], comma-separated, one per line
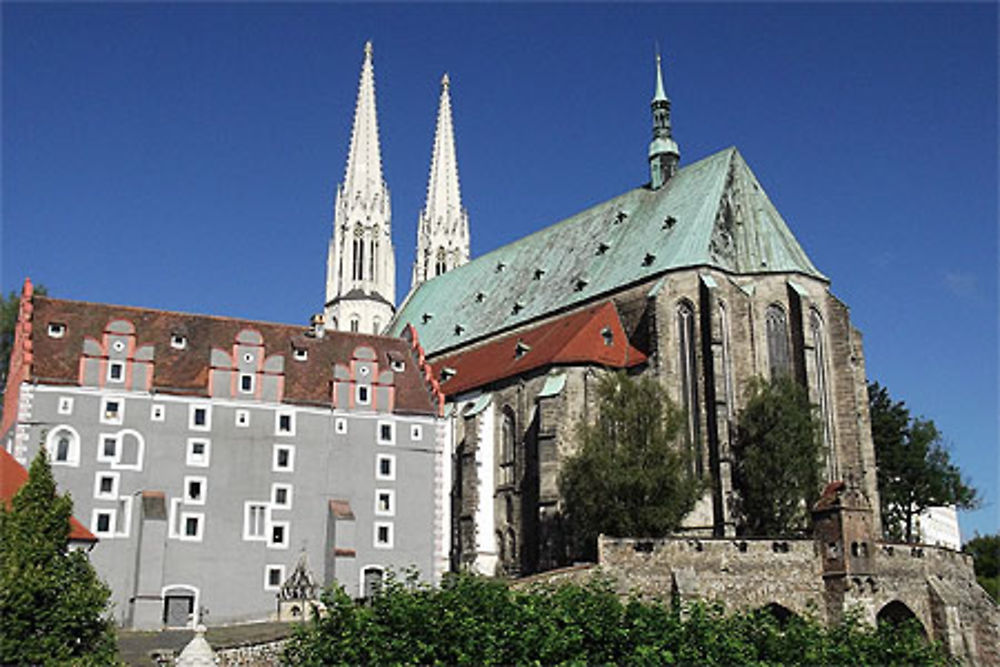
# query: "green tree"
[52,605]
[985,552]
[777,470]
[631,475]
[914,469]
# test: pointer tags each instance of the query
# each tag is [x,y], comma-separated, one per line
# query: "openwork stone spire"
[443,227]
[361,266]
[663,152]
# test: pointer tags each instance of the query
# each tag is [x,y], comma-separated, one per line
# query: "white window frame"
[243,418]
[157,412]
[357,394]
[340,425]
[286,526]
[388,544]
[65,405]
[56,329]
[291,458]
[382,423]
[113,365]
[268,586]
[192,411]
[248,508]
[112,522]
[72,453]
[392,502]
[115,483]
[287,505]
[416,432]
[188,500]
[194,460]
[117,420]
[178,341]
[253,383]
[182,529]
[391,477]
[291,422]
[300,354]
[105,458]
[125,517]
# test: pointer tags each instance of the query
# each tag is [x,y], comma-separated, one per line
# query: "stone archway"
[897,613]
[778,612]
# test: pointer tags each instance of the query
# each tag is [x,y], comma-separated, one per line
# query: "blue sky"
[184,156]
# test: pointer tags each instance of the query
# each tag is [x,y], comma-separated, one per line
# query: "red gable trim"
[591,336]
[13,476]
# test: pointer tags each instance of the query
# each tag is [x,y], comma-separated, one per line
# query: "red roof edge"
[410,334]
[19,366]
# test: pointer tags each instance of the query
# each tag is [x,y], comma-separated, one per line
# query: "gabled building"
[210,454]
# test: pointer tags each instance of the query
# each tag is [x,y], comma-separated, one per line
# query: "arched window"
[508,435]
[689,379]
[371,581]
[727,363]
[376,326]
[372,245]
[440,266]
[358,272]
[777,341]
[822,391]
[63,446]
[355,323]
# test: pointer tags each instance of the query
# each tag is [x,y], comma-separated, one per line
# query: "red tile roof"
[13,476]
[590,336]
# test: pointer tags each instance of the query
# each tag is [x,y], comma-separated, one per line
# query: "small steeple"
[443,226]
[663,152]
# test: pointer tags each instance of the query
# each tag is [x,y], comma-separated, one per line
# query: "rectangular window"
[361,395]
[65,405]
[416,432]
[274,576]
[192,526]
[385,502]
[107,450]
[383,535]
[246,383]
[340,425]
[112,410]
[284,458]
[106,485]
[386,433]
[281,496]
[102,523]
[195,490]
[284,423]
[199,452]
[116,371]
[200,417]
[243,418]
[385,467]
[157,412]
[278,535]
[255,520]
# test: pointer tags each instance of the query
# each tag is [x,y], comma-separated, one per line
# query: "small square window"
[284,458]
[281,496]
[102,523]
[107,450]
[278,535]
[385,467]
[192,526]
[416,432]
[57,329]
[195,490]
[246,383]
[65,405]
[243,418]
[340,425]
[274,576]
[157,412]
[386,433]
[284,423]
[300,354]
[385,502]
[112,410]
[199,452]
[362,395]
[383,535]
[178,341]
[200,417]
[116,371]
[106,486]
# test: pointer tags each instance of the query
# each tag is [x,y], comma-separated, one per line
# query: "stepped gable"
[593,335]
[711,213]
[13,476]
[186,371]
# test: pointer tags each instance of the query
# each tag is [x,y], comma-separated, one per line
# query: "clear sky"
[184,156]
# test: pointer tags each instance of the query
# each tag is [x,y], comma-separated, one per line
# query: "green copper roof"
[711,213]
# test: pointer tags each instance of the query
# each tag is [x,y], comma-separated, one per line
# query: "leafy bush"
[476,620]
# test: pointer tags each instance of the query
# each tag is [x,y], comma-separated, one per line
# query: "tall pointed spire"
[443,227]
[663,152]
[361,266]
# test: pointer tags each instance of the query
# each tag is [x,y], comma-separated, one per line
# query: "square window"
[386,433]
[178,341]
[65,405]
[255,517]
[246,383]
[157,412]
[106,485]
[200,417]
[199,452]
[278,535]
[243,418]
[274,576]
[102,523]
[385,502]
[416,432]
[281,496]
[340,425]
[116,371]
[362,395]
[284,423]
[284,458]
[57,329]
[195,490]
[385,467]
[112,410]
[107,450]
[383,535]
[192,526]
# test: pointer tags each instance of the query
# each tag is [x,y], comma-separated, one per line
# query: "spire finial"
[368,49]
[660,93]
[445,81]
[663,152]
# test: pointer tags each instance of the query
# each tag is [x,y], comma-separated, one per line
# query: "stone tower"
[663,152]
[443,227]
[361,265]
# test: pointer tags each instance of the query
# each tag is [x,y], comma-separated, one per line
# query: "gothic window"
[358,272]
[777,340]
[355,323]
[371,259]
[822,391]
[440,265]
[727,362]
[507,447]
[376,326]
[689,379]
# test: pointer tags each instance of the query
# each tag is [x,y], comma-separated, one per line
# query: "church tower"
[663,152]
[361,266]
[443,227]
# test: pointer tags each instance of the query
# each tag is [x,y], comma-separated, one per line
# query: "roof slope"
[711,213]
[13,476]
[593,335]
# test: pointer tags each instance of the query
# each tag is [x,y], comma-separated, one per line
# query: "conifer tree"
[52,605]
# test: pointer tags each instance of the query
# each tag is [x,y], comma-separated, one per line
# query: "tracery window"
[777,341]
[358,265]
[507,447]
[689,379]
[822,391]
[440,266]
[727,362]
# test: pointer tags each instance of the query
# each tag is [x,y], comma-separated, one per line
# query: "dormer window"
[57,329]
[669,222]
[427,317]
[518,307]
[521,349]
[447,373]
[178,341]
[300,354]
[501,266]
[398,366]
[602,248]
[480,297]
[621,216]
[608,336]
[580,284]
[539,273]
[648,259]
[459,329]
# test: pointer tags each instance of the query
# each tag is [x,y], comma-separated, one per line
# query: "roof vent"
[501,266]
[521,349]
[620,216]
[648,259]
[669,222]
[459,329]
[427,317]
[518,307]
[57,329]
[317,325]
[480,297]
[447,373]
[580,284]
[602,248]
[539,273]
[608,335]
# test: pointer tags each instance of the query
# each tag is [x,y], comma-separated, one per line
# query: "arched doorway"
[896,613]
